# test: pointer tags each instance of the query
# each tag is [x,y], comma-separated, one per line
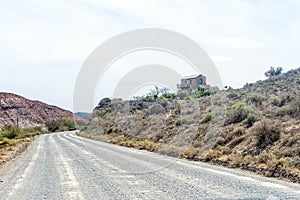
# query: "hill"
[82,114]
[254,128]
[27,112]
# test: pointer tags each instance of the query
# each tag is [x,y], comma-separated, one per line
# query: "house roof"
[192,76]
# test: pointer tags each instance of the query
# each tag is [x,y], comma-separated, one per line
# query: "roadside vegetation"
[254,128]
[9,133]
[14,139]
[62,124]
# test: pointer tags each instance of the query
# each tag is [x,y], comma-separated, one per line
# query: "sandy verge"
[10,152]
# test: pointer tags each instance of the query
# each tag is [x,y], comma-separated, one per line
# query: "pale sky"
[43,44]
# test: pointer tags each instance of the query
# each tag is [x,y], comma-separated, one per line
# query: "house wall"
[192,84]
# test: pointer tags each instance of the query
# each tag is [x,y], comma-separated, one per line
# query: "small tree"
[104,102]
[273,72]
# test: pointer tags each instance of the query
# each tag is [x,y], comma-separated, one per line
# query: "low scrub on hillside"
[238,112]
[255,128]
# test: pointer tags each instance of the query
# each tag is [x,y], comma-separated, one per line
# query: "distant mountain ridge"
[27,112]
[82,114]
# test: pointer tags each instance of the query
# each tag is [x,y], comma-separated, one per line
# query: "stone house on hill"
[190,83]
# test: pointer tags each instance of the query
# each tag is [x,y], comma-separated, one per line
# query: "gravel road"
[65,166]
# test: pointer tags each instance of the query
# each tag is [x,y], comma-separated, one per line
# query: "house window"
[200,82]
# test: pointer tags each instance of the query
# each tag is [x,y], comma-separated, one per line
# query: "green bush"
[255,99]
[207,117]
[168,96]
[188,98]
[251,119]
[209,92]
[63,124]
[162,97]
[196,94]
[238,112]
[149,98]
[32,131]
[10,132]
[181,121]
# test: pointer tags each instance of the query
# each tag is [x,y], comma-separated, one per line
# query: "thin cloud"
[240,35]
[236,43]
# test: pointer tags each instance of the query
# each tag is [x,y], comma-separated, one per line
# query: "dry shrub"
[275,101]
[250,160]
[236,141]
[170,150]
[292,109]
[196,116]
[255,99]
[266,133]
[235,161]
[207,117]
[191,153]
[225,150]
[212,155]
[230,136]
[6,140]
[158,137]
[148,145]
[141,145]
[263,158]
[295,108]
[181,121]
[295,162]
[275,164]
[197,143]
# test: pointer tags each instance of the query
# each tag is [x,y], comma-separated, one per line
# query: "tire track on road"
[139,189]
[28,170]
[210,187]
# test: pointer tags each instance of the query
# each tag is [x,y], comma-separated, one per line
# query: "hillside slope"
[255,128]
[29,113]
